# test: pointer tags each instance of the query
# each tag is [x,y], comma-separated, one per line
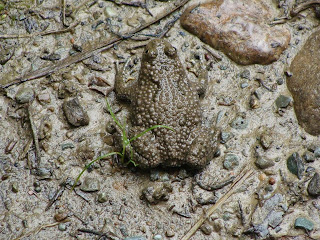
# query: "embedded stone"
[304,84]
[240,29]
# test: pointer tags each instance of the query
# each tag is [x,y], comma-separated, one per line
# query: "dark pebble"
[295,165]
[74,113]
[314,186]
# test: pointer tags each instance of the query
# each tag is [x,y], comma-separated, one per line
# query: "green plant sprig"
[126,143]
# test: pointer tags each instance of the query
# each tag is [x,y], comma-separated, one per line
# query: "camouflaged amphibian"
[163,95]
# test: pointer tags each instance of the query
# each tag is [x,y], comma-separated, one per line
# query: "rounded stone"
[304,84]
[231,161]
[25,95]
[90,185]
[264,163]
[62,227]
[283,101]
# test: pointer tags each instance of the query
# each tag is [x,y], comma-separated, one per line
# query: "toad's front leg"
[124,84]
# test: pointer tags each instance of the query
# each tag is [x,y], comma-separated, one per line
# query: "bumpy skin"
[163,95]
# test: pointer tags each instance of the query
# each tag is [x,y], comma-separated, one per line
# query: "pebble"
[231,161]
[51,57]
[62,227]
[110,12]
[14,187]
[314,186]
[224,137]
[206,229]
[157,237]
[75,113]
[304,84]
[44,98]
[25,95]
[136,238]
[308,157]
[283,101]
[60,216]
[90,185]
[157,191]
[5,55]
[239,123]
[295,165]
[317,152]
[170,233]
[253,42]
[102,197]
[264,163]
[266,139]
[303,223]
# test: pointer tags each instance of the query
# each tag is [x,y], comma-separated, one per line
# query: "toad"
[163,95]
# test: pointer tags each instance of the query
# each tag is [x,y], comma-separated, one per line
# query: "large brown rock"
[239,28]
[304,84]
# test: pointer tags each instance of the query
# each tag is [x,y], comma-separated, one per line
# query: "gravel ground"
[117,202]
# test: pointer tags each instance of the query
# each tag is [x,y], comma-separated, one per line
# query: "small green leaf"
[90,163]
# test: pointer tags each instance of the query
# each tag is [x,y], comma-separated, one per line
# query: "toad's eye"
[171,51]
[151,53]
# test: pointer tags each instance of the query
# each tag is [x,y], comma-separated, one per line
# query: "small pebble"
[206,229]
[283,101]
[295,165]
[262,177]
[264,163]
[62,227]
[60,216]
[272,181]
[102,197]
[14,187]
[317,152]
[157,237]
[303,223]
[239,123]
[90,185]
[136,238]
[231,161]
[308,157]
[25,95]
[314,185]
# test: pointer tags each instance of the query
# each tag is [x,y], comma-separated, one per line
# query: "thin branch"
[238,182]
[303,6]
[90,51]
[38,229]
[69,29]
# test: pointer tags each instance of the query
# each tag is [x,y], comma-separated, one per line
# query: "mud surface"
[251,105]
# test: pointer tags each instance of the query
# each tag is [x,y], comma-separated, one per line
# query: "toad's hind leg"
[145,149]
[204,143]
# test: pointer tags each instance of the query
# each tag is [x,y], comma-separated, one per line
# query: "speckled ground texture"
[268,204]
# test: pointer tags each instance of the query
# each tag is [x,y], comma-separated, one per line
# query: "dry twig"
[90,51]
[238,182]
[303,6]
[38,229]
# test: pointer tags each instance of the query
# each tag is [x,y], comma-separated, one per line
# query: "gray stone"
[317,152]
[231,161]
[136,238]
[303,223]
[157,237]
[295,165]
[308,157]
[239,123]
[75,113]
[283,101]
[90,185]
[314,185]
[62,227]
[264,163]
[25,95]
